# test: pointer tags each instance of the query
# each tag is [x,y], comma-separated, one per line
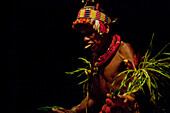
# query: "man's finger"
[130,98]
[58,110]
[54,109]
[125,101]
[110,95]
[120,96]
[127,97]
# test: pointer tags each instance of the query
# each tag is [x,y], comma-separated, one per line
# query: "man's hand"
[61,110]
[122,100]
[125,97]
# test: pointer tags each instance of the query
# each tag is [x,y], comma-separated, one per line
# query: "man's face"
[92,38]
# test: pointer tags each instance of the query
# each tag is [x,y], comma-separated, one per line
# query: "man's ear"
[107,28]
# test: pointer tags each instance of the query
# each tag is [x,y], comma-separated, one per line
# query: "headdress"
[91,16]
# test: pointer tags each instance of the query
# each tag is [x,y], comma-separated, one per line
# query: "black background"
[43,46]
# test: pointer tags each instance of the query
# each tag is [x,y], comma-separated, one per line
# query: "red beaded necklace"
[110,51]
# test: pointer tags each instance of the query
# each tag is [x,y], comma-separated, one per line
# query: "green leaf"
[86,72]
[164,59]
[123,83]
[85,61]
[154,85]
[158,71]
[165,53]
[159,53]
[78,70]
[148,52]
[112,86]
[129,86]
[80,74]
[126,71]
[134,77]
[149,85]
[83,81]
[165,65]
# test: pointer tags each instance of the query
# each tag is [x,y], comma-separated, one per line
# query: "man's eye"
[89,34]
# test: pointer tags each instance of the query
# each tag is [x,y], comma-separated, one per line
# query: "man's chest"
[102,82]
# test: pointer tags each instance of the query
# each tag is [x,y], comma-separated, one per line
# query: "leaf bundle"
[151,72]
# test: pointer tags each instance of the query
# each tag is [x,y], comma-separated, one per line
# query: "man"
[110,57]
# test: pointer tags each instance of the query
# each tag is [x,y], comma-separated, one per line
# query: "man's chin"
[94,49]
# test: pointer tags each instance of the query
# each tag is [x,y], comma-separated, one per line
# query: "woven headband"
[84,13]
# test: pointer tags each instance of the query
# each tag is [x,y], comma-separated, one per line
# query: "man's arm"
[127,54]
[81,108]
[86,102]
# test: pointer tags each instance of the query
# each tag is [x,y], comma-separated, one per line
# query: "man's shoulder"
[125,47]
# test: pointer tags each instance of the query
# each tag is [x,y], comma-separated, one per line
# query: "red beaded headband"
[84,13]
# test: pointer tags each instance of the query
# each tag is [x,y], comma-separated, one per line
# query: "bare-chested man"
[111,56]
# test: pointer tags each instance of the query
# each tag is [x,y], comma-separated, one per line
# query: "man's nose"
[86,39]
